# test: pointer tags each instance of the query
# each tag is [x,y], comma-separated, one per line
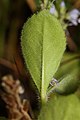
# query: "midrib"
[42,64]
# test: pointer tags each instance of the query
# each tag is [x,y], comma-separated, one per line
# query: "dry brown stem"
[32,5]
[18,109]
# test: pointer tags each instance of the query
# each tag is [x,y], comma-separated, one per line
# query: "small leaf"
[61,108]
[43,43]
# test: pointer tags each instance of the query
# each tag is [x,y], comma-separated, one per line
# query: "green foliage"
[43,43]
[61,108]
[57,4]
[69,64]
[68,84]
[67,75]
[38,2]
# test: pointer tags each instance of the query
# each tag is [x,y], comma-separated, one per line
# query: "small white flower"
[53,10]
[73,17]
[62,4]
[74,22]
[74,14]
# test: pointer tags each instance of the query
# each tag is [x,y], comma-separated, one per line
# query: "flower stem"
[45,3]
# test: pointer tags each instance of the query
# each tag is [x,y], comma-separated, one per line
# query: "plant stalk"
[45,3]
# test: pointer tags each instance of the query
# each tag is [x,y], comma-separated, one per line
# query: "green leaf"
[68,75]
[69,63]
[43,43]
[68,84]
[61,108]
[38,2]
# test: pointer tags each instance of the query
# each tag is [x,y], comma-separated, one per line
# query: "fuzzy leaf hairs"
[61,108]
[43,43]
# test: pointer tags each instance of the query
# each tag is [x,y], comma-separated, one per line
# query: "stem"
[45,3]
[43,96]
[43,91]
[2,34]
[43,99]
[32,5]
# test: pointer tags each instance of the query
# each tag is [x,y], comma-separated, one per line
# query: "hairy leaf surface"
[43,43]
[68,77]
[61,108]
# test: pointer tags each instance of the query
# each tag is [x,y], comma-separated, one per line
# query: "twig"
[71,44]
[8,64]
[32,5]
[18,110]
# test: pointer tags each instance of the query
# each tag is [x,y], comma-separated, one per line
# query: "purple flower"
[73,22]
[62,4]
[74,14]
[73,17]
[53,10]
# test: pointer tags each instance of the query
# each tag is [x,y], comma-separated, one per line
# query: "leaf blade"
[68,78]
[40,37]
[61,108]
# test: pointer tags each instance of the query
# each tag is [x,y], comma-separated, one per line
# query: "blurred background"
[13,14]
